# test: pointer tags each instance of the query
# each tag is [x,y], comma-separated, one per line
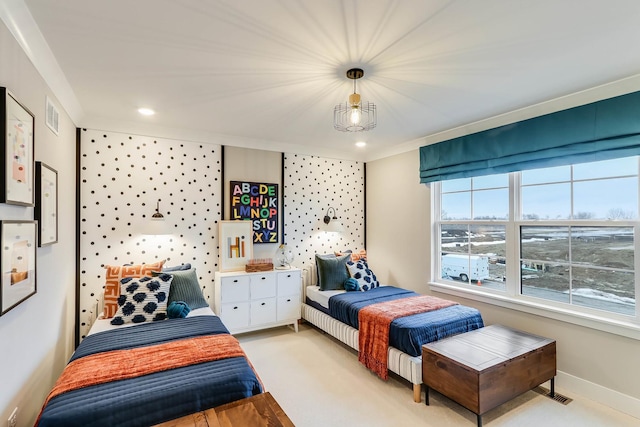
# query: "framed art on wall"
[18,242]
[258,202]
[16,156]
[46,212]
[236,246]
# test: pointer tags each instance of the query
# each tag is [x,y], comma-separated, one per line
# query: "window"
[561,236]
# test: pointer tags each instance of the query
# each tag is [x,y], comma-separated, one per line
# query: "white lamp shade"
[154,227]
[335,226]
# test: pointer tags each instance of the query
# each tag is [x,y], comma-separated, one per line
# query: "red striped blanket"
[117,365]
[374,323]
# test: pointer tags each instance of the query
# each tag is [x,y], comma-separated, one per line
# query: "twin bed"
[336,312]
[152,372]
[147,373]
[150,392]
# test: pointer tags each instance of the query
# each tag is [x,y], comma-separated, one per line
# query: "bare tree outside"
[617,213]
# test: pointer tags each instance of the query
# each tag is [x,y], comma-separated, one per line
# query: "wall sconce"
[333,225]
[156,225]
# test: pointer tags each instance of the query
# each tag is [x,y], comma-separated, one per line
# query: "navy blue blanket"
[409,333]
[150,333]
[158,397]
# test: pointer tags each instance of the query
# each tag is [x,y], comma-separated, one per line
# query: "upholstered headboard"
[309,278]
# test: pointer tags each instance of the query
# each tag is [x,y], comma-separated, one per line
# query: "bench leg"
[417,389]
[479,418]
[552,392]
[426,395]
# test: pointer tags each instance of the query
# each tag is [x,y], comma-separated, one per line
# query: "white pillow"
[142,299]
[360,271]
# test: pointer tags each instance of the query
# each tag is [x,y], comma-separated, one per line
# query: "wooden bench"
[485,368]
[260,410]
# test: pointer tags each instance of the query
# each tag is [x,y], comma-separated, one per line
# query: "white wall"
[37,337]
[398,222]
[595,364]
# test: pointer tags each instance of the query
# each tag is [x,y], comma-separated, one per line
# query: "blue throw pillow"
[332,271]
[177,310]
[185,287]
[351,284]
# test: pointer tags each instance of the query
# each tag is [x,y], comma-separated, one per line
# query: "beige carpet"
[318,382]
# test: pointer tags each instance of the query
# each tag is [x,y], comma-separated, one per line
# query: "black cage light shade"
[355,115]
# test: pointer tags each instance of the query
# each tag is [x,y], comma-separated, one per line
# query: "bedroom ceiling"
[267,73]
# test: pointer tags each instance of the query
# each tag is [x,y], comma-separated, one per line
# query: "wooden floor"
[261,410]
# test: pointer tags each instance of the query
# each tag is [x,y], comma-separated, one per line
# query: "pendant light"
[355,115]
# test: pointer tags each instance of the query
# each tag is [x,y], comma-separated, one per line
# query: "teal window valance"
[601,130]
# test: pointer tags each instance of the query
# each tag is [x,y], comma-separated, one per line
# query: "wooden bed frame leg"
[417,390]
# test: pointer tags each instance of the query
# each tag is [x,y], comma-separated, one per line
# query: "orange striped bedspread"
[375,321]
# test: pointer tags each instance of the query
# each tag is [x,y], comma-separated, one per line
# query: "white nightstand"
[252,301]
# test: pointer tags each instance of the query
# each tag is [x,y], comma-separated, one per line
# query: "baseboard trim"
[611,398]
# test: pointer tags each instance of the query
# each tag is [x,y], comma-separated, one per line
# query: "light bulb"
[146,111]
[355,115]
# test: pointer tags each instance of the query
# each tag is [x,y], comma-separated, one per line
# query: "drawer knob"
[235,308]
[235,280]
[264,278]
[288,275]
[289,300]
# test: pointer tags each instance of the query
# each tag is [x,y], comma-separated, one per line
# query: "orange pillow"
[112,284]
[355,256]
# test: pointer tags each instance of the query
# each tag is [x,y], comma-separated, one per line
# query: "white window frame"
[627,326]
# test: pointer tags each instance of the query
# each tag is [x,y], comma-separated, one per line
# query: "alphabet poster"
[257,202]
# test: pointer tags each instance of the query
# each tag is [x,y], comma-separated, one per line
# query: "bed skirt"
[408,367]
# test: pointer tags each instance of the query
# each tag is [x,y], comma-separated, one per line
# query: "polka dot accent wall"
[122,178]
[312,185]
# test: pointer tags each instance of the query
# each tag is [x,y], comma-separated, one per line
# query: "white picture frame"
[236,245]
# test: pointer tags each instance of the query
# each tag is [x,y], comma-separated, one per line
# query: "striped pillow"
[112,284]
[185,288]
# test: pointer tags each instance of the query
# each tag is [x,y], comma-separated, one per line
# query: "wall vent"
[52,116]
[557,396]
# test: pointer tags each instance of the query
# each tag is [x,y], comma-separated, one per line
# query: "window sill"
[622,328]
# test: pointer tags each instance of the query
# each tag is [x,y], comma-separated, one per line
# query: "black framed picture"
[46,212]
[16,133]
[18,242]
